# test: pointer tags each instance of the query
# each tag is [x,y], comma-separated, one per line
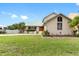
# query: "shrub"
[45,33]
[2,32]
[77,34]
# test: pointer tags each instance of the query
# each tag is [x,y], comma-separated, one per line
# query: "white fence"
[12,31]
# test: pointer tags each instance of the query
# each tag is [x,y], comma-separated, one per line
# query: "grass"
[29,45]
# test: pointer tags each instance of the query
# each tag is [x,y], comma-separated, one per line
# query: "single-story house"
[57,24]
[33,29]
[30,29]
[2,28]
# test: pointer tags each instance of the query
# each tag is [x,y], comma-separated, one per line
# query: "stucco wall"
[51,26]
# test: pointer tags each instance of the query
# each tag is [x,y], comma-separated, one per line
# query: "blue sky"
[32,13]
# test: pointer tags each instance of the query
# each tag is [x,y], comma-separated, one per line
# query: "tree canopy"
[20,26]
[75,21]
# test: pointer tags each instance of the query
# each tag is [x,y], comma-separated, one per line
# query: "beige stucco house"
[57,24]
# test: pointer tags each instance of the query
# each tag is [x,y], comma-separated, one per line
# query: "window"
[59,19]
[31,28]
[59,23]
[59,26]
[41,28]
[0,28]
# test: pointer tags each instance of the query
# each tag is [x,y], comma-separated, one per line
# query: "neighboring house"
[30,29]
[57,24]
[34,29]
[2,29]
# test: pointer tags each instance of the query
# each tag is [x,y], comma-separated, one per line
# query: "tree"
[20,26]
[75,22]
[11,27]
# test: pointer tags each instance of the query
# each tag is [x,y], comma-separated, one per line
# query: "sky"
[32,13]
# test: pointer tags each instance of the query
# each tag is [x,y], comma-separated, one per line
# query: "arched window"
[59,19]
[59,23]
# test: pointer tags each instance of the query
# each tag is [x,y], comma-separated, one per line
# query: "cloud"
[77,4]
[23,17]
[55,10]
[9,13]
[3,12]
[14,16]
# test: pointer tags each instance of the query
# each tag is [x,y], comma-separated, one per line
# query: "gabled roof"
[54,17]
[53,14]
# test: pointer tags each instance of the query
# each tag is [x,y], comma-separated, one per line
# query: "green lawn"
[38,46]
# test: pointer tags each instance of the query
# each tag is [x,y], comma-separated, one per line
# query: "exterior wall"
[51,26]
